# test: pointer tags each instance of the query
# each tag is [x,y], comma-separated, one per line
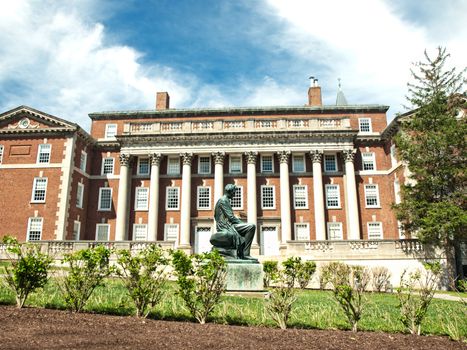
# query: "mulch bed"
[34,328]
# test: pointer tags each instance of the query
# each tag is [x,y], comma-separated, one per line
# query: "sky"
[70,58]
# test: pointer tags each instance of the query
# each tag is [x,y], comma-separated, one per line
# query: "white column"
[251,191]
[352,200]
[154,189]
[218,175]
[320,224]
[121,230]
[285,196]
[185,215]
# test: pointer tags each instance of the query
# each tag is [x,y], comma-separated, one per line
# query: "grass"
[313,309]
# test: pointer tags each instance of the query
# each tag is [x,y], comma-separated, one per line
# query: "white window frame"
[144,227]
[230,163]
[360,123]
[103,166]
[76,232]
[139,172]
[167,190]
[110,134]
[99,206]
[97,232]
[1,153]
[198,198]
[169,170]
[294,163]
[397,191]
[35,189]
[166,229]
[273,197]
[30,222]
[368,158]
[262,164]
[375,224]
[328,231]
[296,227]
[336,168]
[240,191]
[305,199]
[376,189]
[41,151]
[83,161]
[338,206]
[79,195]
[199,164]
[139,204]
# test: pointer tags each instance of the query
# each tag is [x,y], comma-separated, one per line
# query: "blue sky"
[71,58]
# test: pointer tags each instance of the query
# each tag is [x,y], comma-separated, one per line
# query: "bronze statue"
[233,237]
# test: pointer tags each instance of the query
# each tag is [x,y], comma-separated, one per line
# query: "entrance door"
[269,240]
[202,237]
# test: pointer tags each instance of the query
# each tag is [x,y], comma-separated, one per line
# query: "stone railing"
[203,126]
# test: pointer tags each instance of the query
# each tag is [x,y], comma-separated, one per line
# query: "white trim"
[31,166]
[177,228]
[100,195]
[262,163]
[397,191]
[240,190]
[167,197]
[338,196]
[378,203]
[34,189]
[198,198]
[295,197]
[137,191]
[103,163]
[97,231]
[107,127]
[375,224]
[293,163]
[79,199]
[341,232]
[40,151]
[307,224]
[199,164]
[76,238]
[369,126]
[335,163]
[230,164]
[28,238]
[138,172]
[82,165]
[273,197]
[145,226]
[370,158]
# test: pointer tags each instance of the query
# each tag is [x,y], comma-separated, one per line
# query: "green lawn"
[313,309]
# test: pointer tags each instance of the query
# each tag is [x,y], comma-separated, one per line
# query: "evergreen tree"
[432,142]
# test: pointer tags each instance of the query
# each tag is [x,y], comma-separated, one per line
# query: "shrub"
[415,294]
[307,269]
[380,278]
[281,300]
[295,270]
[143,275]
[87,270]
[201,281]
[271,271]
[324,275]
[28,270]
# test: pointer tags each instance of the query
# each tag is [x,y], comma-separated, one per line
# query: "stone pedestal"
[244,275]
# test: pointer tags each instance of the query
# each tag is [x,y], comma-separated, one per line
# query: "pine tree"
[432,142]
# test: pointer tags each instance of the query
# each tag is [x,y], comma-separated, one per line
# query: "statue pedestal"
[244,276]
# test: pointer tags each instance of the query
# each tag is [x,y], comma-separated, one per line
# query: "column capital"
[349,154]
[125,159]
[218,157]
[155,158]
[284,156]
[186,158]
[316,156]
[251,157]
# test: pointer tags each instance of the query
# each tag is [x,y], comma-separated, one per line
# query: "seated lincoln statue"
[233,237]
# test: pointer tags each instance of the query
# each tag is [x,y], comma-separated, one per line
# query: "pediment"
[27,119]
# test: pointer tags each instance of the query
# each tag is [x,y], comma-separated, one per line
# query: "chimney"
[162,100]
[314,93]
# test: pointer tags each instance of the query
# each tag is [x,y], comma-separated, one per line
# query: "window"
[105,199]
[375,230]
[140,232]
[173,198]
[1,154]
[237,200]
[110,130]
[43,155]
[267,164]
[302,232]
[235,164]
[76,230]
[298,163]
[173,165]
[102,232]
[79,195]
[143,166]
[171,232]
[332,196]
[368,161]
[108,166]
[141,198]
[371,196]
[35,229]
[300,196]
[267,197]
[39,190]
[82,161]
[397,191]
[330,163]
[364,124]
[204,165]
[204,197]
[335,231]
[393,155]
